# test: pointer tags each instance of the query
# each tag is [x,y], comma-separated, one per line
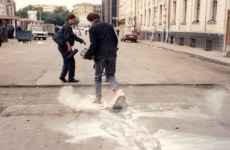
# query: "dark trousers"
[68,64]
[110,64]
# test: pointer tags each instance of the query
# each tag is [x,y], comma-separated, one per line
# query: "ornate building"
[7,8]
[195,23]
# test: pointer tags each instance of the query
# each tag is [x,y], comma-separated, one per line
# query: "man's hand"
[70,49]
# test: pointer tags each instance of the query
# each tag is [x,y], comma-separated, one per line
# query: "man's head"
[71,19]
[92,17]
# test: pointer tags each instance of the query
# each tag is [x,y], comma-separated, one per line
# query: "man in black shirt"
[103,49]
[65,50]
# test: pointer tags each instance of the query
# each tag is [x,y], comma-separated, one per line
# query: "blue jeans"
[68,64]
[109,63]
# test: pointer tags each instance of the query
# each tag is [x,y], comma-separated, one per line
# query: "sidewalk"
[212,56]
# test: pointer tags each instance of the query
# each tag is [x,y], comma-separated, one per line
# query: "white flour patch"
[187,141]
[68,97]
[96,129]
[214,101]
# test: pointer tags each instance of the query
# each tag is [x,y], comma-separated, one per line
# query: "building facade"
[82,10]
[46,8]
[195,23]
[110,11]
[2,9]
[198,23]
[7,8]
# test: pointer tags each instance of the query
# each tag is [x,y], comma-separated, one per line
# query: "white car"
[38,33]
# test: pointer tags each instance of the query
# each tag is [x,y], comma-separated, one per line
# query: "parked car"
[129,35]
[37,32]
[49,28]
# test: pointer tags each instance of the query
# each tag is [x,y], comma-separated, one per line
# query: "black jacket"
[69,35]
[103,41]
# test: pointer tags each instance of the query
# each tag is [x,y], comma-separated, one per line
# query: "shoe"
[99,104]
[72,53]
[73,80]
[118,101]
[62,79]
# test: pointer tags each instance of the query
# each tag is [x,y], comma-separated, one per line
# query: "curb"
[191,54]
[204,85]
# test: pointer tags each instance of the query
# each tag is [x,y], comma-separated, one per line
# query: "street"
[175,101]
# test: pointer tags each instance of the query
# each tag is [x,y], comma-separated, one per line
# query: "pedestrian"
[1,35]
[79,33]
[103,49]
[56,29]
[118,32]
[5,33]
[66,50]
[11,31]
[86,31]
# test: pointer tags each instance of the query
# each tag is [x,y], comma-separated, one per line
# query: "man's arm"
[115,39]
[76,38]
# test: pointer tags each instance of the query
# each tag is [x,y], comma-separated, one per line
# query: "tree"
[23,13]
[57,17]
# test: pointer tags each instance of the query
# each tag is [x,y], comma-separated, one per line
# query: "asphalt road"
[175,102]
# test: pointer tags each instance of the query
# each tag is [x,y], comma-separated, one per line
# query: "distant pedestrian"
[79,32]
[1,35]
[103,49]
[11,31]
[118,32]
[86,32]
[66,50]
[56,29]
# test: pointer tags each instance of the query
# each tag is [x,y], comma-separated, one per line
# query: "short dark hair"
[71,17]
[92,16]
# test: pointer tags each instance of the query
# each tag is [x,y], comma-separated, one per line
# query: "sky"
[67,3]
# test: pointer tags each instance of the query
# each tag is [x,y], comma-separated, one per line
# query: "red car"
[129,35]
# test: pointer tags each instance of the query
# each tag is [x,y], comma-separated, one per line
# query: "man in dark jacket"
[103,49]
[65,50]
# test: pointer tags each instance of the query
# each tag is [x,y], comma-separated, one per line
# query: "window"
[138,14]
[149,17]
[181,41]
[174,12]
[145,19]
[197,11]
[213,10]
[185,11]
[193,42]
[208,45]
[160,15]
[153,16]
[141,19]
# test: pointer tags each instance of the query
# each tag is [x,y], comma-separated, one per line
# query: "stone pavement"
[212,56]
